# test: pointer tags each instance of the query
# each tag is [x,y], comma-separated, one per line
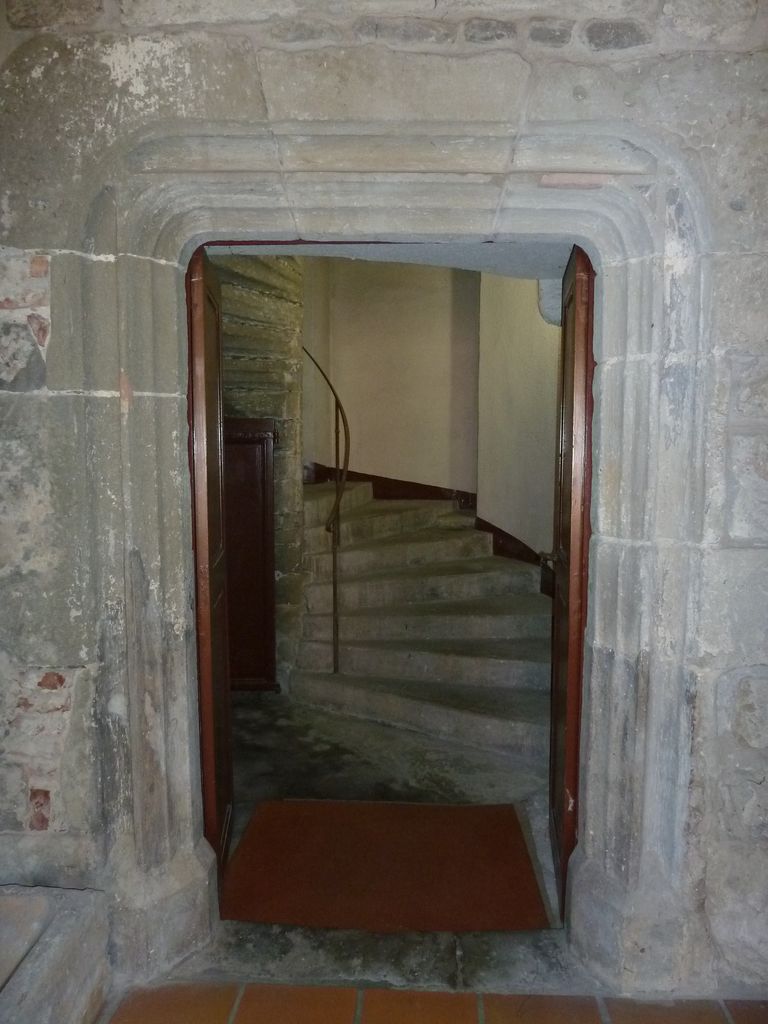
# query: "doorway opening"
[567,580]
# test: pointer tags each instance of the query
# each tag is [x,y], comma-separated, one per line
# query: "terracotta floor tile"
[390,1006]
[287,1004]
[540,1010]
[746,1012]
[626,1011]
[178,1004]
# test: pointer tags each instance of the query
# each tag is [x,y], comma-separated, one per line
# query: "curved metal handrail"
[332,523]
[342,480]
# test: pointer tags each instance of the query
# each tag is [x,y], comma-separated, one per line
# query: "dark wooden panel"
[571,548]
[250,537]
[206,456]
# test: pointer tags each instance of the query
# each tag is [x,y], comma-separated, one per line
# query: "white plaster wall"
[404,356]
[518,408]
[317,402]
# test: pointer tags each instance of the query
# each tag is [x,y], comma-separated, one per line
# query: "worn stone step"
[319,499]
[376,520]
[451,581]
[516,615]
[515,721]
[520,663]
[425,546]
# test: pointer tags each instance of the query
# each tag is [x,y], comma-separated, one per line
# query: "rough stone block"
[83,353]
[22,366]
[731,627]
[565,93]
[64,973]
[747,473]
[737,907]
[44,13]
[489,30]
[738,285]
[405,31]
[554,32]
[47,546]
[158,77]
[620,34]
[336,85]
[702,23]
[748,387]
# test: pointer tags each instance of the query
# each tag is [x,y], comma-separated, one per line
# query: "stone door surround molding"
[119,318]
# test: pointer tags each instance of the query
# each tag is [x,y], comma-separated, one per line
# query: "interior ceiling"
[526,257]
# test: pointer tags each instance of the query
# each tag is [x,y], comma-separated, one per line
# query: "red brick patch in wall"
[40,327]
[40,806]
[38,266]
[51,681]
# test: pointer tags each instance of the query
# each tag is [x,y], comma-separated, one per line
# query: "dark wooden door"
[570,550]
[207,451]
[250,540]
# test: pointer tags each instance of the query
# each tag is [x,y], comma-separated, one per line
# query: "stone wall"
[262,320]
[142,128]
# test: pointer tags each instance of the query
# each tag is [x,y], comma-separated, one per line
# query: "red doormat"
[383,867]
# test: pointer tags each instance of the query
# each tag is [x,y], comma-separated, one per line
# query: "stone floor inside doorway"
[287,975]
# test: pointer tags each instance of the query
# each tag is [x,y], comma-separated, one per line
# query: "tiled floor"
[276,1004]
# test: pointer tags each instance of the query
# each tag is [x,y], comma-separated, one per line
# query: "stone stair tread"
[515,649]
[433,534]
[383,507]
[506,605]
[462,567]
[529,707]
[315,492]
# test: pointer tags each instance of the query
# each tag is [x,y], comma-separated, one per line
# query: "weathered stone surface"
[22,367]
[709,22]
[623,391]
[122,84]
[362,151]
[621,34]
[737,816]
[46,547]
[738,314]
[24,282]
[550,31]
[303,30]
[731,628]
[336,85]
[489,30]
[406,31]
[65,974]
[749,387]
[44,13]
[418,152]
[49,746]
[747,468]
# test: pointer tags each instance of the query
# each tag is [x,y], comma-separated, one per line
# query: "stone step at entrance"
[491,716]
[514,615]
[438,635]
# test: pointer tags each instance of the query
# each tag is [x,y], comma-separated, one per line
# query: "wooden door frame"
[564,841]
[584,369]
[218,832]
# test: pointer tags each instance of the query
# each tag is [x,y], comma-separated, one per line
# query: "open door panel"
[573,476]
[207,463]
